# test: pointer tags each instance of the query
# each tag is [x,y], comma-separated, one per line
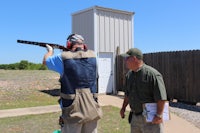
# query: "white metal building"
[108,32]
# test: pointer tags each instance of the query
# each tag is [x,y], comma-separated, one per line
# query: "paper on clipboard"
[150,110]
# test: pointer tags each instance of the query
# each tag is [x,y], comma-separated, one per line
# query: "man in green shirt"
[144,84]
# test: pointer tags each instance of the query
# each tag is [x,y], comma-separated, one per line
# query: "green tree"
[43,67]
[23,65]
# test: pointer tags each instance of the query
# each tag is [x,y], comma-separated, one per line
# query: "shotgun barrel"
[43,44]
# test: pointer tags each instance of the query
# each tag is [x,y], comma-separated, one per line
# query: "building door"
[105,71]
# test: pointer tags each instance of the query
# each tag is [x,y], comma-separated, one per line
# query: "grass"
[47,123]
[112,122]
[44,123]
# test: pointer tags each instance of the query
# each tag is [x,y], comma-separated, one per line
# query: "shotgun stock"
[43,44]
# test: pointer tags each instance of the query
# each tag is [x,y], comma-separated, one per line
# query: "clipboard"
[150,110]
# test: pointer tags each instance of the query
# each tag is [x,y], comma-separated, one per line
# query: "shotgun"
[43,44]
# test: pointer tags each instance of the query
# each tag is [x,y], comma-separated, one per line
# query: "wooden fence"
[180,70]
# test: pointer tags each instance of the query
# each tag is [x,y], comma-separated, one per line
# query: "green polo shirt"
[144,86]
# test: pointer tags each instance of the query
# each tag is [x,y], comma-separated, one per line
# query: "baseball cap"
[75,38]
[134,52]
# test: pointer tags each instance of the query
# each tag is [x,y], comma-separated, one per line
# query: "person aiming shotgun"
[78,71]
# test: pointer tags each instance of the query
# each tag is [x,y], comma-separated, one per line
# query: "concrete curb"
[29,111]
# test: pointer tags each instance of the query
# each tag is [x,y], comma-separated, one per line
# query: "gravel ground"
[190,113]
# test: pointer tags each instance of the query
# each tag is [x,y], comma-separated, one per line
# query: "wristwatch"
[158,115]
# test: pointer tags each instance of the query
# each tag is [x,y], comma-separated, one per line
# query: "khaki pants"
[89,127]
[139,125]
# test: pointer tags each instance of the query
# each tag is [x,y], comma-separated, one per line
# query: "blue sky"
[159,25]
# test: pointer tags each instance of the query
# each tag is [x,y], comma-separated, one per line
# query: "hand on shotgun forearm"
[49,48]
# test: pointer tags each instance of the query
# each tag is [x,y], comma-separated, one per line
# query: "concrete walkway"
[29,111]
[175,125]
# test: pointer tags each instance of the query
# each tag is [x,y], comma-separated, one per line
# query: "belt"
[139,113]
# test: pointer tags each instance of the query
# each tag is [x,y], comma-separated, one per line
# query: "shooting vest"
[78,87]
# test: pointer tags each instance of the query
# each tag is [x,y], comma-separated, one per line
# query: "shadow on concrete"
[185,106]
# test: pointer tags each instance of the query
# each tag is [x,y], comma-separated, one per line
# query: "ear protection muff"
[72,39]
[85,47]
[69,42]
